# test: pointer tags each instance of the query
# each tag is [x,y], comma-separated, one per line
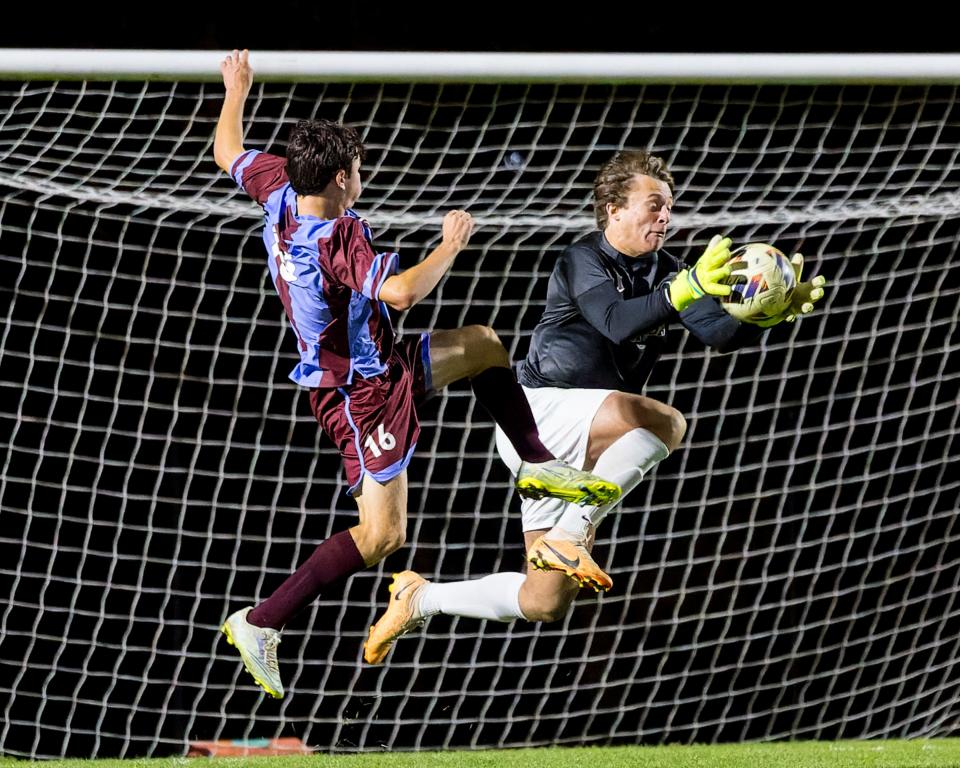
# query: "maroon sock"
[335,560]
[503,397]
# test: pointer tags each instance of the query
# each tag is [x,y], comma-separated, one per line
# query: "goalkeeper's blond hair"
[612,185]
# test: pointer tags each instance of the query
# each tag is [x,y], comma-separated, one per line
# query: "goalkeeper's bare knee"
[546,597]
[548,610]
[676,428]
[638,411]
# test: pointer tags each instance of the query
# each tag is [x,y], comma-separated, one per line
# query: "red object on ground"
[248,747]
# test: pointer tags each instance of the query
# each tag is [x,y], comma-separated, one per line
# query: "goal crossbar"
[420,66]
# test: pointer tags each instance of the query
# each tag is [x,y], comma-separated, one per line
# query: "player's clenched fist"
[237,75]
[457,228]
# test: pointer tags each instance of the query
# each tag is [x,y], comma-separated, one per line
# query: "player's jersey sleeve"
[583,270]
[353,260]
[600,302]
[710,323]
[258,173]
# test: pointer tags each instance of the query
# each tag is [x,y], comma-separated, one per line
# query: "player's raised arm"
[237,79]
[406,289]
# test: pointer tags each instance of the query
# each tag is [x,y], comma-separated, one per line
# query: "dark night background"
[170,470]
[488,26]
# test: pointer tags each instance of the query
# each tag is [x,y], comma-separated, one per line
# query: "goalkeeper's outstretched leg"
[626,434]
[622,437]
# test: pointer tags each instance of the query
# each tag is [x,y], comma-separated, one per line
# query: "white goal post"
[790,572]
[436,67]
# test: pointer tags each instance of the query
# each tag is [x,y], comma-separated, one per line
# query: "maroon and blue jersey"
[328,276]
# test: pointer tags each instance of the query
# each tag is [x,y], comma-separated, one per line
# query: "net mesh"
[790,572]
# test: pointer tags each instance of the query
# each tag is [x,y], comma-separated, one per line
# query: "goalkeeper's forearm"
[228,140]
[618,319]
[709,323]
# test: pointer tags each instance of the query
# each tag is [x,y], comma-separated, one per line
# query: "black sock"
[500,393]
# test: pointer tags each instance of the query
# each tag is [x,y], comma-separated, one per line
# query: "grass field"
[937,753]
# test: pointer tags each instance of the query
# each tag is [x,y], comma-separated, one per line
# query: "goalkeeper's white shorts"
[563,417]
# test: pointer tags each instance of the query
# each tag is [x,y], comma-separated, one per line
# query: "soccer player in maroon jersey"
[364,382]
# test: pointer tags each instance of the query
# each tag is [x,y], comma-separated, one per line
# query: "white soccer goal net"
[791,572]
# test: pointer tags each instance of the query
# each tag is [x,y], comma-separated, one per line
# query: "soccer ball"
[769,287]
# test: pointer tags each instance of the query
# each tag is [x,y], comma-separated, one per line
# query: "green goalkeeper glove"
[803,299]
[706,276]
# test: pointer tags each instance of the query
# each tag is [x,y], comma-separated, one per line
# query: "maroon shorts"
[374,421]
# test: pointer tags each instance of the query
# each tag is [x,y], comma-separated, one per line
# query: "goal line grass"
[934,753]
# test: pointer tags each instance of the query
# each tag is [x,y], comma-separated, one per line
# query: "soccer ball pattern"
[770,282]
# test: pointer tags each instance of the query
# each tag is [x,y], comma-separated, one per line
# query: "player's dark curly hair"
[612,185]
[317,149]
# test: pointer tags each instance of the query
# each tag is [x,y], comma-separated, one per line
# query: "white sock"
[625,463]
[495,597]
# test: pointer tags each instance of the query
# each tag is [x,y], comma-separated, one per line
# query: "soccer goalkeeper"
[610,298]
[364,382]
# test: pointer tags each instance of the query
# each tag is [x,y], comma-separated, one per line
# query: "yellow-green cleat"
[559,480]
[258,650]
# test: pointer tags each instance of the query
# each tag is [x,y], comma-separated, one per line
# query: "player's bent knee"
[487,335]
[549,609]
[376,542]
[549,615]
[487,349]
[670,426]
[677,429]
[665,421]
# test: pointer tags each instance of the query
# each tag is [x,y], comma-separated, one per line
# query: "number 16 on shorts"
[373,423]
[380,442]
